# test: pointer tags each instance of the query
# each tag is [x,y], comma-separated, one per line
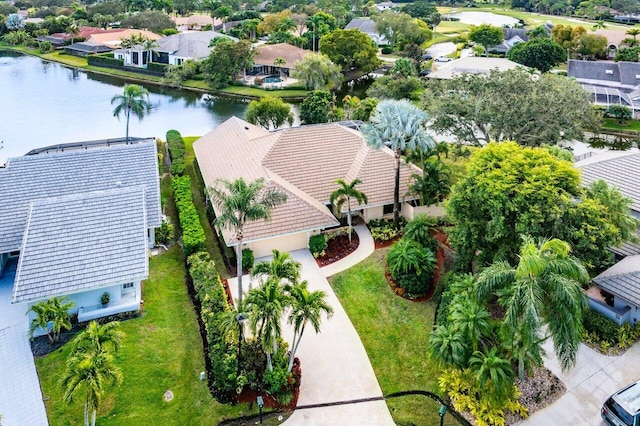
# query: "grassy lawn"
[395,333]
[162,350]
[612,123]
[196,193]
[258,93]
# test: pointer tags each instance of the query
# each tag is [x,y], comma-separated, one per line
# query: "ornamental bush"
[384,230]
[247,259]
[317,245]
[178,167]
[193,239]
[176,145]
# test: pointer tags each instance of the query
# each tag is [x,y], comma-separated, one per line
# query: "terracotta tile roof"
[303,161]
[266,54]
[113,38]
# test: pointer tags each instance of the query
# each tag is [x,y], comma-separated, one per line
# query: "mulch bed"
[338,248]
[539,390]
[382,244]
[250,396]
[40,345]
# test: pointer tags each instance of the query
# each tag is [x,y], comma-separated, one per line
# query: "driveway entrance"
[20,395]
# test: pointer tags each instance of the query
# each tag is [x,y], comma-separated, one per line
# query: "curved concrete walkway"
[364,250]
[335,365]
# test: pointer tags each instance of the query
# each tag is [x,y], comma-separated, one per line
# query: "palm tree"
[238,202]
[399,125]
[470,319]
[409,257]
[617,208]
[134,99]
[222,12]
[52,316]
[279,62]
[544,288]
[344,194]
[282,267]
[350,104]
[494,375]
[90,373]
[633,32]
[448,346]
[96,338]
[306,307]
[267,304]
[147,46]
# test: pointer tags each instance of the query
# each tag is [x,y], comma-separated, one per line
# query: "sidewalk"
[335,365]
[364,250]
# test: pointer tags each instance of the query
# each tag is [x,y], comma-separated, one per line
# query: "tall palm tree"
[543,288]
[134,99]
[494,374]
[267,304]
[222,12]
[52,316]
[238,202]
[279,62]
[306,307]
[399,125]
[344,194]
[281,267]
[147,46]
[96,338]
[90,373]
[350,104]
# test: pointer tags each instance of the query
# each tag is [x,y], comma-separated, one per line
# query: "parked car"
[443,59]
[427,57]
[623,407]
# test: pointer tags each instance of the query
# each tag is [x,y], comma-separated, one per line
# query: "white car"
[443,59]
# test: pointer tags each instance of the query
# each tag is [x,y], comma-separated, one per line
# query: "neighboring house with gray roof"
[177,48]
[367,26]
[304,162]
[608,82]
[79,223]
[622,280]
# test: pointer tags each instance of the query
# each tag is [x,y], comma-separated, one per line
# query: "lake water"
[479,18]
[44,103]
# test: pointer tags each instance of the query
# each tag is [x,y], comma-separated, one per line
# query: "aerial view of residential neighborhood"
[323,213]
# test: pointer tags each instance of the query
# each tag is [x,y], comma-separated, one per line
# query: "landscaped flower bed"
[338,248]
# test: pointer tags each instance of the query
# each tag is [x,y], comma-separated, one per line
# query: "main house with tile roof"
[77,221]
[303,162]
[622,280]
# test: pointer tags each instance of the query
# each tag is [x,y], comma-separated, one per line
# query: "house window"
[388,208]
[178,61]
[127,285]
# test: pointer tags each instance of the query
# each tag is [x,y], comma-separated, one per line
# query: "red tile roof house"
[304,162]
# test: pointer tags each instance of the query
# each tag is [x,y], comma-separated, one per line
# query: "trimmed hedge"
[176,145]
[193,239]
[157,67]
[102,60]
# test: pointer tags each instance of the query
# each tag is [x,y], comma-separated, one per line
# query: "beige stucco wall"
[285,244]
[373,213]
[409,212]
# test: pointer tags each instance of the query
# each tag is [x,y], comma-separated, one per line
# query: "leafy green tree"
[404,67]
[318,25]
[239,202]
[152,20]
[282,267]
[395,87]
[91,374]
[344,194]
[52,316]
[307,307]
[540,53]
[97,338]
[401,126]
[351,49]
[568,37]
[134,99]
[226,61]
[267,304]
[621,112]
[529,111]
[316,107]
[316,71]
[269,112]
[434,185]
[397,25]
[592,46]
[364,109]
[486,35]
[425,11]
[544,288]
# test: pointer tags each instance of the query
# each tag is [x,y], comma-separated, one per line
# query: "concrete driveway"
[20,395]
[594,378]
[338,385]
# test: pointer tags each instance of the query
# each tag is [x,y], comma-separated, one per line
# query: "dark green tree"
[227,60]
[486,35]
[269,112]
[315,107]
[540,53]
[351,49]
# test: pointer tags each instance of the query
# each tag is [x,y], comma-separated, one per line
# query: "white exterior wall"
[434,210]
[90,300]
[284,244]
[371,213]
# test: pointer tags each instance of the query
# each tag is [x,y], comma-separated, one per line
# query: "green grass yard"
[612,124]
[162,350]
[395,333]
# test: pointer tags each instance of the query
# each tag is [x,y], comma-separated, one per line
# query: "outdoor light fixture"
[442,412]
[260,405]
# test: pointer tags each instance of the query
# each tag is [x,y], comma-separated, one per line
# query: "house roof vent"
[608,71]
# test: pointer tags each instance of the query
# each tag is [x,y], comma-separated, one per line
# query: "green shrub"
[165,233]
[157,67]
[601,326]
[383,229]
[386,50]
[169,31]
[317,245]
[178,167]
[417,285]
[247,259]
[193,239]
[176,145]
[104,60]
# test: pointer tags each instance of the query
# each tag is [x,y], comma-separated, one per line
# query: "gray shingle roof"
[622,172]
[30,178]
[189,45]
[82,241]
[365,25]
[622,279]
[626,73]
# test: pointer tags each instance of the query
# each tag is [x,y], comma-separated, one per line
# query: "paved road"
[594,378]
[20,394]
[335,365]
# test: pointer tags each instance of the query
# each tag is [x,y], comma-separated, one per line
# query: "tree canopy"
[226,61]
[486,35]
[351,49]
[530,110]
[153,20]
[269,112]
[315,71]
[398,27]
[539,52]
[510,191]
